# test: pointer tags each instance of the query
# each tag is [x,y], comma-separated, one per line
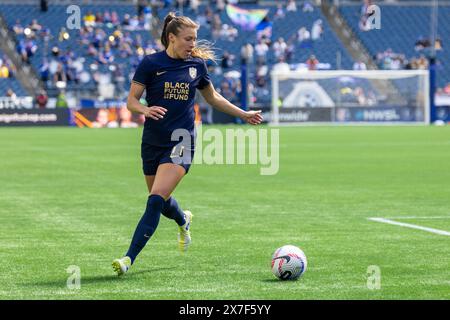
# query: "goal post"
[350,96]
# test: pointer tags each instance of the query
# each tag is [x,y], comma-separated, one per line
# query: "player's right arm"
[133,104]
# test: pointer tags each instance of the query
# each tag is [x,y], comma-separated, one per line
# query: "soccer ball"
[288,263]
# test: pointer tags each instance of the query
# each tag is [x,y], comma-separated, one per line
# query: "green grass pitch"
[73,197]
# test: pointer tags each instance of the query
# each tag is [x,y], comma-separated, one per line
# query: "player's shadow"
[270,280]
[85,280]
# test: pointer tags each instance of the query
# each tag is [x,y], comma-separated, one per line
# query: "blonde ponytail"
[173,23]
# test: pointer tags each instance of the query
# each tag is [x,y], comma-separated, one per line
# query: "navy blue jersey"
[170,83]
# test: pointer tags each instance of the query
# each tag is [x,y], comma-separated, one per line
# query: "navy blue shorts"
[153,156]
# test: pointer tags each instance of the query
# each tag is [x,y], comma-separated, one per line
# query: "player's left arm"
[217,101]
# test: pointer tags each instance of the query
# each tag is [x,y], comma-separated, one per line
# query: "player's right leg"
[121,265]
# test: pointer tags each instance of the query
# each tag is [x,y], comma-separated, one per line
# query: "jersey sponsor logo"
[176,90]
[160,73]
[193,72]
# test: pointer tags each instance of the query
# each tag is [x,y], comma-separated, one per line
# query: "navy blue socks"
[171,210]
[147,225]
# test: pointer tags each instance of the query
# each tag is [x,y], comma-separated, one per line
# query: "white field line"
[412,226]
[419,218]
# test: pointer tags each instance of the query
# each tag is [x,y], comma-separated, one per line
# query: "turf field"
[73,197]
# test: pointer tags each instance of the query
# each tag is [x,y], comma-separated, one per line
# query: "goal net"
[350,96]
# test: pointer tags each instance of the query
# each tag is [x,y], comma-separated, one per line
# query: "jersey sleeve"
[204,79]
[144,72]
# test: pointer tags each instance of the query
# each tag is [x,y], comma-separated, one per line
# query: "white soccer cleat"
[184,236]
[122,265]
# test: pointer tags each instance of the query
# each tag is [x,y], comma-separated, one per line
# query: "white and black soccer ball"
[288,263]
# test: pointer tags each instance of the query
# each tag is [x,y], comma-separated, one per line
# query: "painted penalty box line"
[411,226]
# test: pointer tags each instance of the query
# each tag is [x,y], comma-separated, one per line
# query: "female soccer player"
[170,78]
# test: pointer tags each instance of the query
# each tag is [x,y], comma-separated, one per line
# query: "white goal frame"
[277,76]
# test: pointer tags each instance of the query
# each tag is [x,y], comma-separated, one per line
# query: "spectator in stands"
[42,99]
[106,56]
[134,23]
[359,65]
[226,91]
[279,48]
[307,6]
[60,75]
[35,26]
[209,14]
[18,28]
[291,6]
[247,53]
[279,14]
[44,71]
[107,17]
[290,49]
[424,43]
[61,101]
[115,18]
[216,26]
[281,65]
[447,88]
[438,44]
[4,71]
[201,19]
[89,19]
[99,19]
[147,14]
[261,50]
[27,48]
[261,75]
[312,62]
[194,4]
[220,5]
[126,21]
[227,60]
[92,51]
[99,37]
[317,30]
[422,63]
[141,5]
[303,34]
[125,50]
[421,43]
[11,94]
[228,32]
[45,34]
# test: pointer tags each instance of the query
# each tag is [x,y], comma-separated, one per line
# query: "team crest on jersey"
[193,72]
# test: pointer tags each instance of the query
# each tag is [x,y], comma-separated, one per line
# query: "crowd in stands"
[109,44]
[63,65]
[7,68]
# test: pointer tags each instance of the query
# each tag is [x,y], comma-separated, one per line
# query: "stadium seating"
[11,82]
[401,27]
[324,49]
[55,19]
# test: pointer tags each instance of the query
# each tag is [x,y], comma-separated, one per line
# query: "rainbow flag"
[247,19]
